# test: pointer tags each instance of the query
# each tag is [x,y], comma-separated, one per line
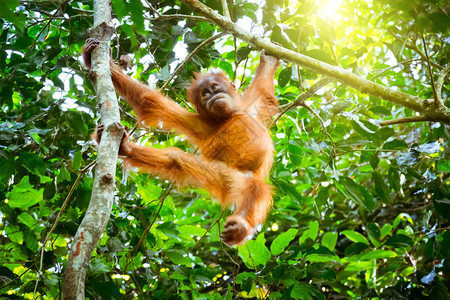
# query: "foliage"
[365,214]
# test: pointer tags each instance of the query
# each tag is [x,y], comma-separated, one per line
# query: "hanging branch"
[436,113]
[103,191]
[440,82]
[436,98]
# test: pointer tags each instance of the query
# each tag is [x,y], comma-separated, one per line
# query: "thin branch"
[301,99]
[440,81]
[18,277]
[330,42]
[321,122]
[178,16]
[184,62]
[382,71]
[152,8]
[263,295]
[58,217]
[147,229]
[406,120]
[423,56]
[209,229]
[45,27]
[226,11]
[436,98]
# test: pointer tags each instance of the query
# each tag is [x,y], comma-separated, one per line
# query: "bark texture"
[97,215]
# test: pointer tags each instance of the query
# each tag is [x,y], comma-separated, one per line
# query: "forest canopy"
[361,170]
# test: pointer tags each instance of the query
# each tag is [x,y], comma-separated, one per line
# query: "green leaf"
[179,257]
[329,240]
[23,195]
[295,152]
[63,175]
[355,249]
[301,292]
[258,252]
[399,241]
[282,241]
[14,234]
[33,163]
[77,160]
[380,110]
[45,179]
[188,231]
[394,178]
[96,267]
[27,219]
[357,266]
[169,229]
[443,166]
[120,8]
[373,231]
[76,122]
[356,192]
[355,236]
[114,244]
[375,254]
[395,145]
[311,232]
[137,16]
[285,76]
[385,230]
[30,240]
[149,193]
[381,188]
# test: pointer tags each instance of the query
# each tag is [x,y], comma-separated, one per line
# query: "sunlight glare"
[329,8]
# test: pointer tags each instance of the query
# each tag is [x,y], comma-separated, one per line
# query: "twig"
[330,42]
[392,67]
[152,8]
[406,120]
[184,62]
[263,295]
[440,81]
[46,25]
[177,16]
[147,229]
[414,47]
[436,99]
[300,99]
[321,122]
[18,277]
[63,207]
[226,11]
[214,224]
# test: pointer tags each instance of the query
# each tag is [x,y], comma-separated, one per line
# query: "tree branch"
[440,82]
[103,191]
[171,17]
[301,99]
[406,120]
[424,58]
[438,113]
[193,52]
[436,98]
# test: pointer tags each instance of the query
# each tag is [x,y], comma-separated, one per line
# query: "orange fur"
[237,151]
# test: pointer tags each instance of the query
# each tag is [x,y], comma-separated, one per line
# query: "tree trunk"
[98,213]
